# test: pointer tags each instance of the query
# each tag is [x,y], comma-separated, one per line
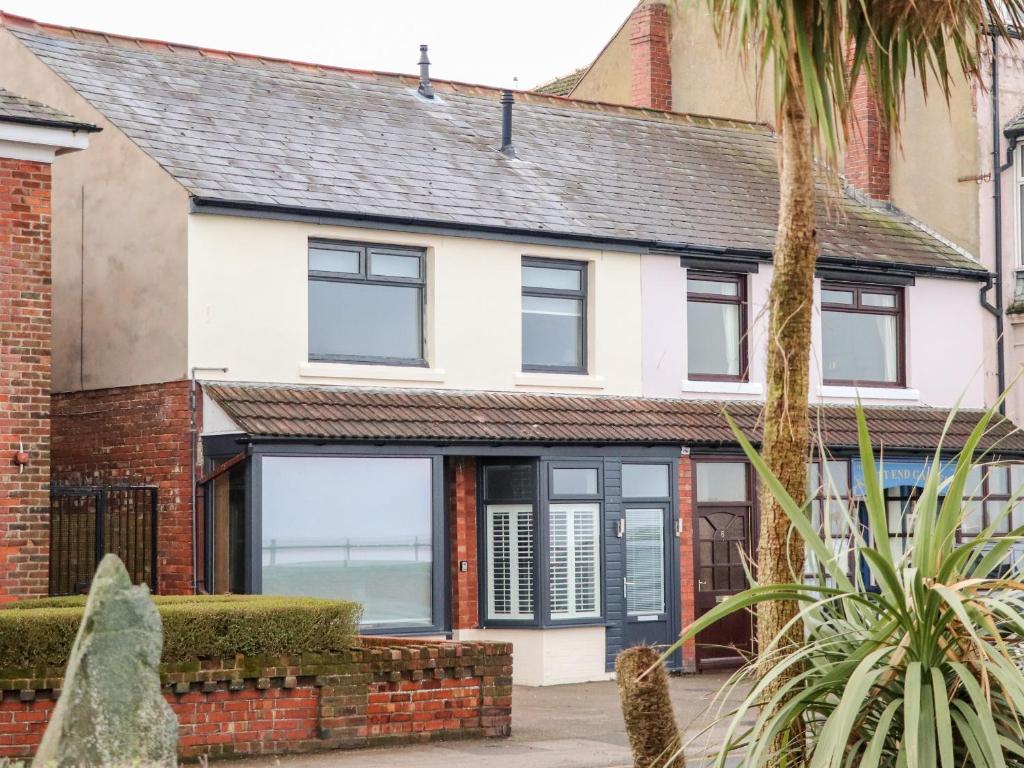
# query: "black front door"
[649,534]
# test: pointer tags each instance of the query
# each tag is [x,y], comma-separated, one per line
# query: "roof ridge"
[15,21]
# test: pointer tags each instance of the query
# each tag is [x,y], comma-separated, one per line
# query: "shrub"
[914,665]
[40,633]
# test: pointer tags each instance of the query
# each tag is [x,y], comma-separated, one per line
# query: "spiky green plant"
[914,666]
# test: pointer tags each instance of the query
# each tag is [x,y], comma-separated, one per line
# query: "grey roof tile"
[366,144]
[16,109]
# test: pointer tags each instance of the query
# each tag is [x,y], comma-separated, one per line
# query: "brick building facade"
[31,136]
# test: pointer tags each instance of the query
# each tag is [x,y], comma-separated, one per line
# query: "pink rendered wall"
[944,340]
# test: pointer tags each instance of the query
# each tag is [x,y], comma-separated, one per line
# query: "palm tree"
[814,51]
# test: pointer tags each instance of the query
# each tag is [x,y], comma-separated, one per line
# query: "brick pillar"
[463,537]
[24,377]
[867,146]
[651,66]
[687,578]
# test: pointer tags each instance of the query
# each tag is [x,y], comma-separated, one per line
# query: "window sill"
[723,387]
[372,372]
[560,380]
[869,393]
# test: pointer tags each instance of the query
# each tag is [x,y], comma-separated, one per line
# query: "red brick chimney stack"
[650,56]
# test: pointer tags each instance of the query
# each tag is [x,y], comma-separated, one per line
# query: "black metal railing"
[87,522]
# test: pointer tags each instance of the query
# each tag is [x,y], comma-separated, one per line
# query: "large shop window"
[862,334]
[366,303]
[359,528]
[833,511]
[716,326]
[554,316]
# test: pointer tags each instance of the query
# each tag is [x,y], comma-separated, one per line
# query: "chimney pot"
[425,88]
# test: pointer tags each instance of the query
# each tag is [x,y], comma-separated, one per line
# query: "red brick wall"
[387,690]
[687,578]
[24,377]
[464,543]
[135,434]
[650,59]
[867,147]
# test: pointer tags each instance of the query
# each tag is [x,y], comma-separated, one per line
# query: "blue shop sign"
[894,473]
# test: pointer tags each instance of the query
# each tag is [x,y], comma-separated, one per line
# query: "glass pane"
[887,300]
[993,511]
[352,528]
[1016,478]
[553,278]
[837,480]
[574,560]
[510,561]
[365,321]
[813,489]
[334,260]
[722,481]
[972,523]
[714,287]
[832,296]
[395,265]
[645,561]
[574,482]
[972,486]
[998,481]
[712,339]
[508,482]
[645,481]
[859,347]
[552,332]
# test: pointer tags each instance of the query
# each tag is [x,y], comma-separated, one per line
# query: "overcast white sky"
[479,41]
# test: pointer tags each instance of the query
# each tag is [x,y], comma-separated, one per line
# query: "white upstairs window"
[1018,185]
[575,560]
[510,561]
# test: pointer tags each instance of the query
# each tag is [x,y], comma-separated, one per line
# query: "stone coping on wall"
[379,691]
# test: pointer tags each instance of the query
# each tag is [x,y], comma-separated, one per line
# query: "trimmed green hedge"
[40,633]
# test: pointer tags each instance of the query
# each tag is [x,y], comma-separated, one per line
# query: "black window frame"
[739,300]
[542,499]
[858,307]
[366,252]
[559,293]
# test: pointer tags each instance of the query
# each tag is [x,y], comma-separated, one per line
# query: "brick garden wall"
[25,342]
[137,434]
[385,691]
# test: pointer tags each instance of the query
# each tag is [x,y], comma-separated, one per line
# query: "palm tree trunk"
[780,554]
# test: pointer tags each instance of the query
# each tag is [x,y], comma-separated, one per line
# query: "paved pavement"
[562,726]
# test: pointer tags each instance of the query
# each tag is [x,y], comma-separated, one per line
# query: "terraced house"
[458,354]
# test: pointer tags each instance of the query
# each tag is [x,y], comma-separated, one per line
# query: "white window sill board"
[723,387]
[870,393]
[372,372]
[558,380]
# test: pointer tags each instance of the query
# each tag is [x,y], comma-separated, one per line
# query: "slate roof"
[247,131]
[562,86]
[17,109]
[427,415]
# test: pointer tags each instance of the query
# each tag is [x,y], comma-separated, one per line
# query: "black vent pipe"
[507,100]
[425,88]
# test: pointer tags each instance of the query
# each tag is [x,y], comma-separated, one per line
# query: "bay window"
[542,542]
[862,334]
[360,528]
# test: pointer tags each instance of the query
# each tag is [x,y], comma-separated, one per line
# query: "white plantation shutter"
[510,561]
[575,560]
[645,561]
